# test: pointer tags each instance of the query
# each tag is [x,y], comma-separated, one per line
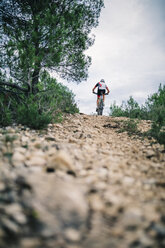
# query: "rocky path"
[81,184]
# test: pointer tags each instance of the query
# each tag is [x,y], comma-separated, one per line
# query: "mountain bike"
[100,106]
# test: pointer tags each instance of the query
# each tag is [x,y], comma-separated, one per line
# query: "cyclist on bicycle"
[102,87]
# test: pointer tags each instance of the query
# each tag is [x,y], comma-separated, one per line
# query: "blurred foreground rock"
[40,207]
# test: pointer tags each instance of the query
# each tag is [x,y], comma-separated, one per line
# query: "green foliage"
[56,96]
[10,138]
[48,105]
[116,110]
[5,113]
[158,133]
[129,109]
[29,114]
[47,34]
[5,117]
[36,111]
[37,36]
[130,126]
[156,106]
[154,109]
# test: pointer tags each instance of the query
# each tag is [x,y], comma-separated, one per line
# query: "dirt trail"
[81,184]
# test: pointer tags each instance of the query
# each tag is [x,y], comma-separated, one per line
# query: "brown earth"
[81,184]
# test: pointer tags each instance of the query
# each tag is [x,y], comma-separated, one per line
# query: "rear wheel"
[100,112]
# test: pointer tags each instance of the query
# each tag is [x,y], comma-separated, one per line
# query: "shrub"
[116,111]
[130,126]
[55,96]
[5,117]
[154,109]
[157,133]
[36,111]
[5,113]
[129,109]
[156,105]
[29,114]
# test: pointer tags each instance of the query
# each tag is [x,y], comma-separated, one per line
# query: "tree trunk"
[35,79]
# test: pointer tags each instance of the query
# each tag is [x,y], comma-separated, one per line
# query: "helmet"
[102,80]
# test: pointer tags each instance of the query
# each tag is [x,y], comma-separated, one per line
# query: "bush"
[156,106]
[29,114]
[5,117]
[56,96]
[36,111]
[130,126]
[154,109]
[5,114]
[116,111]
[157,133]
[129,109]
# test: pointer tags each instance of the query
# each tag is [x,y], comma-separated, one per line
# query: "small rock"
[10,225]
[101,185]
[30,242]
[25,139]
[128,180]
[150,181]
[132,218]
[37,144]
[72,140]
[61,161]
[96,203]
[10,130]
[150,153]
[35,161]
[21,150]
[16,211]
[18,159]
[72,235]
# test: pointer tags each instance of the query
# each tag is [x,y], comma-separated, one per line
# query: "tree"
[45,34]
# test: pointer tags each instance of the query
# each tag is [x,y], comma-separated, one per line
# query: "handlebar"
[101,94]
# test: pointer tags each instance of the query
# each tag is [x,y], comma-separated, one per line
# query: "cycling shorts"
[100,92]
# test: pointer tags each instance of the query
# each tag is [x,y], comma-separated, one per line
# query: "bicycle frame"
[101,104]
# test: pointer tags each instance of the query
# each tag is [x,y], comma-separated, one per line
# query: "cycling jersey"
[101,86]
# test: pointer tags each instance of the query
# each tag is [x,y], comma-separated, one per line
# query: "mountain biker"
[102,87]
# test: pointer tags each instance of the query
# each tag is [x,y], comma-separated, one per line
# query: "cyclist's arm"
[95,87]
[107,90]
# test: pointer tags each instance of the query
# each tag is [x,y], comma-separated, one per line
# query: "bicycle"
[100,106]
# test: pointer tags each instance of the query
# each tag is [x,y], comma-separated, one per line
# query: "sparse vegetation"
[5,116]
[154,110]
[130,126]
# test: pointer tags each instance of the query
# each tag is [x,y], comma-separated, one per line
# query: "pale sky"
[128,53]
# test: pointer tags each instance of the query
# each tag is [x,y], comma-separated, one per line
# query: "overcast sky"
[128,53]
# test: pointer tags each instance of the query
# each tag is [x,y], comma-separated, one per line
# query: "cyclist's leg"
[103,96]
[98,98]
[97,102]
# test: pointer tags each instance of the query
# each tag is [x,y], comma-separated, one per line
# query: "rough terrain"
[81,184]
